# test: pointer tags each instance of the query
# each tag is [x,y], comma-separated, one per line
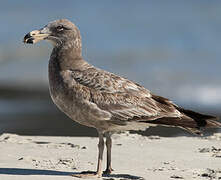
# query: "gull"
[102,100]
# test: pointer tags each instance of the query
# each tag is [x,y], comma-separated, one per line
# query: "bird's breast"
[69,100]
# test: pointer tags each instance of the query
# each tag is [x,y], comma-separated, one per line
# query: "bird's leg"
[108,145]
[100,154]
[98,173]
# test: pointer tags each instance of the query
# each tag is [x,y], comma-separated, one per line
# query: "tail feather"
[191,121]
[202,120]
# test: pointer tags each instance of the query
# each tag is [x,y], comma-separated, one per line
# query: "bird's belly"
[135,126]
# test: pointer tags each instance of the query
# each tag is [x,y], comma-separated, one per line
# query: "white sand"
[134,157]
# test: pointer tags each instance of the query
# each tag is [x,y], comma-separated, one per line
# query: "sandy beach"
[134,157]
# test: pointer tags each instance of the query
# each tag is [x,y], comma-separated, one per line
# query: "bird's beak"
[35,36]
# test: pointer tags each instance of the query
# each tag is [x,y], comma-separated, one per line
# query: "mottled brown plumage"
[103,100]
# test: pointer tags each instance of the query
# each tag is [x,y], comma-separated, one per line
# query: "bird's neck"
[70,58]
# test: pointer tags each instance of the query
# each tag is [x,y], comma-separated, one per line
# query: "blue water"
[171,47]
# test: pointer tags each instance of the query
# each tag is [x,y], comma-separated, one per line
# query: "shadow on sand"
[21,171]
[121,176]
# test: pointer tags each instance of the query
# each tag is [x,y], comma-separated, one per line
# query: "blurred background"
[171,47]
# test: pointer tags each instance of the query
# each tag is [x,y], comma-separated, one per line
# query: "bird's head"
[61,33]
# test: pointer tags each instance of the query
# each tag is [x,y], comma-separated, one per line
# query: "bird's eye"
[60,28]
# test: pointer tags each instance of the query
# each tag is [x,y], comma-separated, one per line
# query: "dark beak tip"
[27,36]
[28,39]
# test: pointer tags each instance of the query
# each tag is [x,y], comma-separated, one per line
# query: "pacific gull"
[103,100]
